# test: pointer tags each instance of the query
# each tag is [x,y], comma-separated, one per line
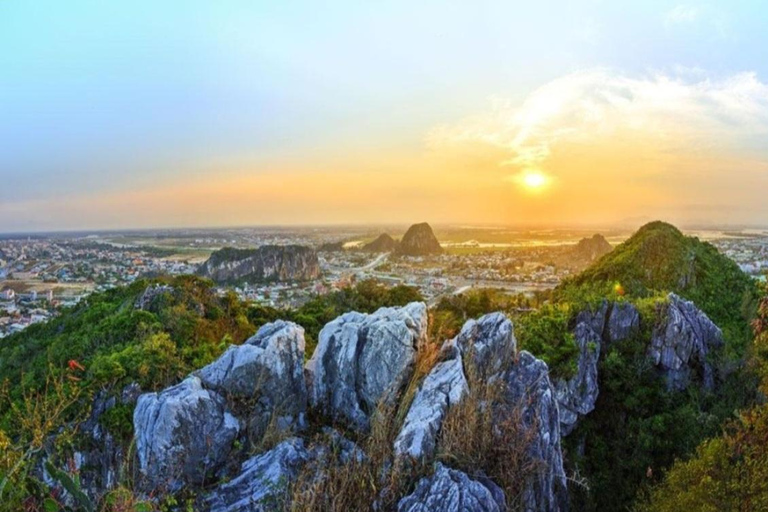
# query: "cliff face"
[419,240]
[267,263]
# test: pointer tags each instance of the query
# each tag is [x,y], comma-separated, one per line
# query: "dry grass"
[478,438]
[379,480]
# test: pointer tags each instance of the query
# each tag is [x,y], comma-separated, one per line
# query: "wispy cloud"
[682,14]
[667,113]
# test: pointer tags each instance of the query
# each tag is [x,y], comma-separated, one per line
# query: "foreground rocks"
[186,432]
[364,360]
[267,368]
[443,387]
[529,390]
[182,434]
[681,343]
[263,480]
[448,490]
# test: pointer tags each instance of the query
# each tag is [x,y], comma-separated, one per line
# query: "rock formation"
[488,344]
[361,360]
[384,243]
[265,264]
[528,387]
[268,367]
[610,322]
[681,342]
[444,386]
[577,395]
[448,490]
[263,480]
[183,434]
[419,240]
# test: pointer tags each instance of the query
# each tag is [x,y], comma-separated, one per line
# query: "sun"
[534,181]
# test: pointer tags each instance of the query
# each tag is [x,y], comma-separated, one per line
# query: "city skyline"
[237,114]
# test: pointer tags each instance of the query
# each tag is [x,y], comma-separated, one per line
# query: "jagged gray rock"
[269,367]
[263,480]
[623,322]
[182,434]
[681,343]
[577,395]
[362,360]
[488,344]
[529,389]
[151,293]
[444,386]
[449,490]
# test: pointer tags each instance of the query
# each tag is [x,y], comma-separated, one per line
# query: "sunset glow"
[301,114]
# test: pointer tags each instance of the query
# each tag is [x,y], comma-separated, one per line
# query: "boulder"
[576,396]
[444,386]
[448,490]
[528,388]
[681,341]
[183,434]
[362,360]
[487,344]
[268,368]
[263,480]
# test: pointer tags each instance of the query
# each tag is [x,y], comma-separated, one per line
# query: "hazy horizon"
[149,116]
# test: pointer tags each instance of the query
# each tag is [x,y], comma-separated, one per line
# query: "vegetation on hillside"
[728,472]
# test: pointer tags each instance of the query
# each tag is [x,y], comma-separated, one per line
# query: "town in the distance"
[42,273]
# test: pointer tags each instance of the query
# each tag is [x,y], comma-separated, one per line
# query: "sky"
[197,113]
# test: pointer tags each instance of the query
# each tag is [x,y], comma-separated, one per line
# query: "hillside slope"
[659,258]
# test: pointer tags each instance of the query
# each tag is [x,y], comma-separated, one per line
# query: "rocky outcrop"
[384,243]
[681,342]
[529,390]
[610,322]
[577,395]
[151,294]
[419,240]
[449,490]
[268,368]
[444,386]
[186,432]
[263,480]
[183,434]
[488,344]
[265,264]
[361,360]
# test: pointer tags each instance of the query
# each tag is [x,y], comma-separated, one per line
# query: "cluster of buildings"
[40,276]
[749,252]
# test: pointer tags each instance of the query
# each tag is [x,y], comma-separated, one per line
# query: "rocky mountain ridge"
[265,264]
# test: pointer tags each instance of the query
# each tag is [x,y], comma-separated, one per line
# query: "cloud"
[682,14]
[663,114]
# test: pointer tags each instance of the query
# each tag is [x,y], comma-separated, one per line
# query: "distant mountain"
[419,240]
[590,249]
[384,243]
[658,257]
[265,264]
[331,247]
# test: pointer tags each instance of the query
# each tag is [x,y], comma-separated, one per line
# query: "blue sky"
[103,99]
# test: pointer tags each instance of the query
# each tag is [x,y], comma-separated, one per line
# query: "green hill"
[659,258]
